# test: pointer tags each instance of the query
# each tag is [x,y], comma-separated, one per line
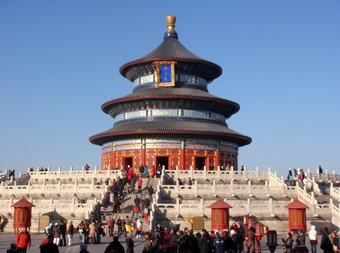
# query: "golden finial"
[171,20]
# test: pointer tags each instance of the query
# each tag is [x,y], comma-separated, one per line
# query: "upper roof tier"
[171,50]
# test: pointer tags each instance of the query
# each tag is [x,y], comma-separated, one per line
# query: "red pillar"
[217,160]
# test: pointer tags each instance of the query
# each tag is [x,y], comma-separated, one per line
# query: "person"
[146,172]
[49,246]
[130,174]
[83,248]
[23,240]
[62,227]
[129,243]
[146,213]
[147,244]
[229,246]
[205,242]
[313,239]
[115,246]
[98,231]
[301,238]
[141,170]
[155,244]
[109,225]
[81,229]
[326,244]
[320,170]
[159,171]
[92,232]
[189,181]
[153,171]
[119,224]
[335,241]
[70,232]
[139,228]
[218,243]
[240,233]
[150,191]
[139,185]
[288,243]
[56,234]
[290,176]
[250,239]
[48,229]
[133,185]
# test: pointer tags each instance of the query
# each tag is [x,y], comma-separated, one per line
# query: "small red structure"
[220,215]
[297,215]
[22,215]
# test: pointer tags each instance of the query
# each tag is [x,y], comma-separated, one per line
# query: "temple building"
[170,118]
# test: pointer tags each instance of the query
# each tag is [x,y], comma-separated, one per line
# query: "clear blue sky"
[60,60]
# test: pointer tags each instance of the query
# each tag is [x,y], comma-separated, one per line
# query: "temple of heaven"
[170,118]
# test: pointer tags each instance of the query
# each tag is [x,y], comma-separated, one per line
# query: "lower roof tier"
[184,98]
[171,128]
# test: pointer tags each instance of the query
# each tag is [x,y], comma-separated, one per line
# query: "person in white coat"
[313,238]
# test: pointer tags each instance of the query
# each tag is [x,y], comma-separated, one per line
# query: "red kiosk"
[297,215]
[22,215]
[220,215]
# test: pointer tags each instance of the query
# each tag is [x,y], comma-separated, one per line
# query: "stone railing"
[334,192]
[221,189]
[326,176]
[68,207]
[58,188]
[217,174]
[273,186]
[3,176]
[201,208]
[74,174]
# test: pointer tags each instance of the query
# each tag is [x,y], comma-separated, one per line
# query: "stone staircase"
[263,195]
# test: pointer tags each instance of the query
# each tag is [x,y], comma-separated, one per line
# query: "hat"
[83,246]
[129,235]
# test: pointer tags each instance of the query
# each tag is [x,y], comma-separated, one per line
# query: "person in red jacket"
[23,240]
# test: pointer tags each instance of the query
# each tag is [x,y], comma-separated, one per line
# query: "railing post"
[248,206]
[59,172]
[232,188]
[250,189]
[214,188]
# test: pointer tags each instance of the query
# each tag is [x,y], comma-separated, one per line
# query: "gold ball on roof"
[171,20]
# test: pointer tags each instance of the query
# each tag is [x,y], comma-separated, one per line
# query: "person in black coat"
[49,247]
[129,243]
[115,245]
[205,244]
[326,244]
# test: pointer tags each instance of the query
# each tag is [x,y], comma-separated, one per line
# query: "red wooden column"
[220,215]
[182,156]
[297,215]
[217,159]
[143,152]
[22,215]
[113,161]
